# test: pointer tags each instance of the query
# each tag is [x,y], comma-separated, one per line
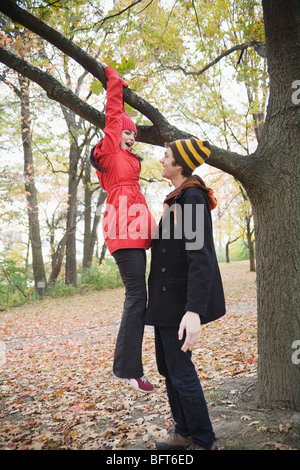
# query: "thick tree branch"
[17,14]
[55,90]
[162,131]
[227,161]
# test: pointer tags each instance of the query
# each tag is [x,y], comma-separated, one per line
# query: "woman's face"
[128,139]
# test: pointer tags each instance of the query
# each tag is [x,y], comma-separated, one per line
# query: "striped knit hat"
[190,153]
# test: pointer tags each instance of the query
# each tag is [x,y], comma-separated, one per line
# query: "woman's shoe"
[142,384]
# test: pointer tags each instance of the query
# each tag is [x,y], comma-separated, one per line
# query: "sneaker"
[197,447]
[173,442]
[142,384]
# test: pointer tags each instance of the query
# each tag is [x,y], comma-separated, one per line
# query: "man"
[185,290]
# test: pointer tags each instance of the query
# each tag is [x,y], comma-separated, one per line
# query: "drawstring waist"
[124,183]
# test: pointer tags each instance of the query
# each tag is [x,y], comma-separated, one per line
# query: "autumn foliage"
[58,389]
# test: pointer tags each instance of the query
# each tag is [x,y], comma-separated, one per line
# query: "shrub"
[16,283]
[101,276]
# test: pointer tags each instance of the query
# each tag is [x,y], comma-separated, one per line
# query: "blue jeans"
[186,398]
[128,352]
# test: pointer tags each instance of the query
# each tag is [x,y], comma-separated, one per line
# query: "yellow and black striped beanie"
[190,153]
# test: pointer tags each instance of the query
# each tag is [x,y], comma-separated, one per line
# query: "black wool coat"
[184,274]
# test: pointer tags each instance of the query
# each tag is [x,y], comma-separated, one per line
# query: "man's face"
[128,139]
[170,168]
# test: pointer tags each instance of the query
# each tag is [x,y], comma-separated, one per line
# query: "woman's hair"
[93,163]
[101,168]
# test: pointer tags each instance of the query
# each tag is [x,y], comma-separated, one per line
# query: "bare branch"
[240,47]
[119,12]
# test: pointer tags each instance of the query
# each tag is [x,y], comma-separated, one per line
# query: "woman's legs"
[128,352]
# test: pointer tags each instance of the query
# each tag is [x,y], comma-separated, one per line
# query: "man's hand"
[191,324]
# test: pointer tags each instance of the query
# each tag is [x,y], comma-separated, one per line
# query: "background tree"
[22,91]
[30,190]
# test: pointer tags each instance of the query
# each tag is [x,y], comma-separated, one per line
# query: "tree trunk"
[90,235]
[278,268]
[250,244]
[103,253]
[276,201]
[227,248]
[30,191]
[57,259]
[86,260]
[71,265]
[227,252]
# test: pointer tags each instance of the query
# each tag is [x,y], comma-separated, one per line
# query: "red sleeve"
[113,113]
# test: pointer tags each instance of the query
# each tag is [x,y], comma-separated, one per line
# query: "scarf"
[196,182]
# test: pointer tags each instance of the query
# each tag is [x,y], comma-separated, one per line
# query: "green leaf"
[96,86]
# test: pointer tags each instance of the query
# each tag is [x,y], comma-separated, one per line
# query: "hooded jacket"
[184,274]
[127,221]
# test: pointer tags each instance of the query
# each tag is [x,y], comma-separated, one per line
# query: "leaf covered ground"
[58,390]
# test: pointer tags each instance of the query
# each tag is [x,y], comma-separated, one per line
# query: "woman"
[127,227]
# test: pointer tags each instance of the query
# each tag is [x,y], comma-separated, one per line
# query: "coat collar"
[196,182]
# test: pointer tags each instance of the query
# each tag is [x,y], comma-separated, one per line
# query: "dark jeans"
[128,352]
[184,390]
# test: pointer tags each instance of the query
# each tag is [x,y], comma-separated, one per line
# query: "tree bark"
[227,248]
[277,216]
[71,263]
[250,243]
[90,233]
[30,191]
[57,259]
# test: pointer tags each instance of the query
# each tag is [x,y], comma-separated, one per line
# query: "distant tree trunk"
[90,232]
[250,243]
[249,230]
[86,263]
[227,248]
[227,252]
[30,190]
[89,242]
[71,264]
[103,253]
[57,259]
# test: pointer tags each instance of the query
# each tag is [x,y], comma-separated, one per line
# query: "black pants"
[186,398]
[128,352]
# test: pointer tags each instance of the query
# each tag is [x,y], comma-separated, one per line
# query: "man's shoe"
[197,447]
[142,384]
[173,442]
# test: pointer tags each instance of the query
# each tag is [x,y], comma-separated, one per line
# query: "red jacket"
[127,221]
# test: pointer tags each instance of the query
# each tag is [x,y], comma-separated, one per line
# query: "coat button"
[164,289]
[164,250]
[163,270]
